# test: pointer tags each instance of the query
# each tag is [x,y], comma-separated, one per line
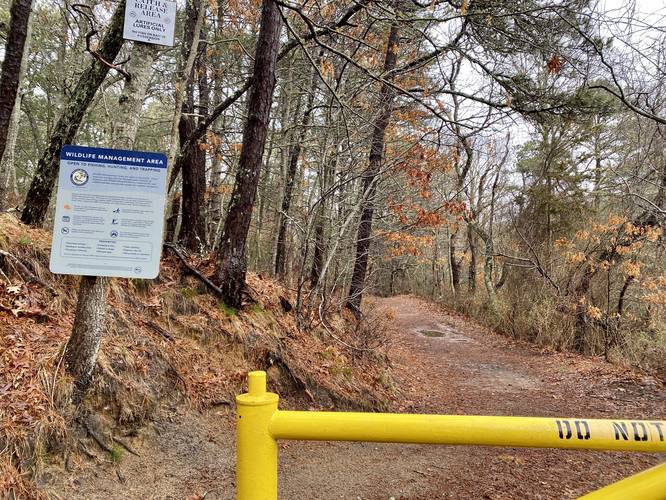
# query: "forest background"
[505,158]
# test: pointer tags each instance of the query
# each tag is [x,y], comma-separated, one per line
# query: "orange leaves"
[412,117]
[555,64]
[327,69]
[630,269]
[425,218]
[421,179]
[402,243]
[655,283]
[419,167]
[419,216]
[652,234]
[593,312]
[657,299]
[657,288]
[575,257]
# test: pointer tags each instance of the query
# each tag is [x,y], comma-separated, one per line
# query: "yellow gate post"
[256,449]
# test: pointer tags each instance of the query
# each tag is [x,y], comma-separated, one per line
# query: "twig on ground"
[194,271]
[25,272]
[157,328]
[125,445]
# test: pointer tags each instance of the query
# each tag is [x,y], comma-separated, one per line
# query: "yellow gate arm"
[589,434]
[646,485]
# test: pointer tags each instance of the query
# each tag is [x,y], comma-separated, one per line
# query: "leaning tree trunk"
[84,343]
[231,253]
[294,154]
[41,187]
[370,177]
[11,66]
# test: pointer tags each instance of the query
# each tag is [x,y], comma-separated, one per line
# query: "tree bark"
[83,344]
[41,187]
[231,253]
[370,178]
[11,66]
[215,206]
[193,226]
[454,261]
[142,57]
[320,243]
[8,188]
[471,271]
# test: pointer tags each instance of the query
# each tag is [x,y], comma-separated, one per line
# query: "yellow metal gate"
[260,424]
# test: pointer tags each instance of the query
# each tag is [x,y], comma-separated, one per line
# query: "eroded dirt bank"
[461,369]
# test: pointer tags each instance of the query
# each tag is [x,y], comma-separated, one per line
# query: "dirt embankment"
[171,351]
[441,364]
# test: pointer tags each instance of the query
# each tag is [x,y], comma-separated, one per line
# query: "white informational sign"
[150,21]
[109,213]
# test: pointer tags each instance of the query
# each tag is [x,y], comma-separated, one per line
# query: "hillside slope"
[169,346]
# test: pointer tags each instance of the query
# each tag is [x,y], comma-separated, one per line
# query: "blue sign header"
[113,156]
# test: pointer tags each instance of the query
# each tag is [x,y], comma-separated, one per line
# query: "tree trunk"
[436,289]
[370,177]
[231,254]
[139,67]
[454,261]
[173,212]
[319,252]
[11,65]
[193,226]
[8,188]
[215,205]
[471,272]
[294,154]
[41,187]
[84,343]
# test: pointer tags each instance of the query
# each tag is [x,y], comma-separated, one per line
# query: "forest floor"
[468,370]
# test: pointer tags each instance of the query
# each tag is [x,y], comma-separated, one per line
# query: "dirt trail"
[467,370]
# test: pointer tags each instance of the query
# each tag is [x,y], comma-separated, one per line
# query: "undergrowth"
[539,317]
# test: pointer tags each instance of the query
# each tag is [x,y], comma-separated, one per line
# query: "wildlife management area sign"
[150,21]
[109,213]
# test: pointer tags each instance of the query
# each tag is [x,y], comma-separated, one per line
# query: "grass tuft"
[228,310]
[116,454]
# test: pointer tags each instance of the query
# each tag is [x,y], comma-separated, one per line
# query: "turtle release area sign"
[150,21]
[109,213]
